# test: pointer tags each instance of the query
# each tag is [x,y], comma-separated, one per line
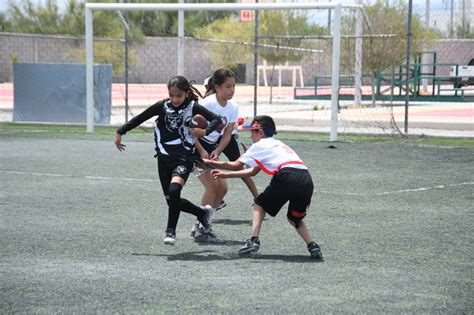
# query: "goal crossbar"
[211,6]
[336,6]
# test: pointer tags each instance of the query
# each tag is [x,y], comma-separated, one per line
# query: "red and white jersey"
[271,155]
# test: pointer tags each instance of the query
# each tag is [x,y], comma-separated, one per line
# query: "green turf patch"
[144,134]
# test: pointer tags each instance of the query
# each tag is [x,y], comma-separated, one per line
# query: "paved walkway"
[433,119]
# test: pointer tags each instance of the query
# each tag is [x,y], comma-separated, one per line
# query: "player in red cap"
[291,181]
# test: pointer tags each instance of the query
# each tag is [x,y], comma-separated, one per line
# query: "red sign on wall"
[246,15]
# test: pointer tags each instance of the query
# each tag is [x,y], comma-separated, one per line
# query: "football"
[198,121]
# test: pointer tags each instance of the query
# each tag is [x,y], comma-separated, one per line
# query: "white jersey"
[271,155]
[229,113]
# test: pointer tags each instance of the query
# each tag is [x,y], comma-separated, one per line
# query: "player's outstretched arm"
[248,172]
[232,166]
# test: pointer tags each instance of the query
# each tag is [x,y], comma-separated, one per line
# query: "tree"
[28,17]
[165,23]
[35,18]
[289,28]
[464,29]
[4,22]
[228,35]
[382,54]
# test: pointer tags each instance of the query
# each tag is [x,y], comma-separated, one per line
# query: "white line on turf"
[401,191]
[121,178]
[35,173]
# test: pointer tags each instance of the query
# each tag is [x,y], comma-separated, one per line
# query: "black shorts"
[231,151]
[289,184]
[169,168]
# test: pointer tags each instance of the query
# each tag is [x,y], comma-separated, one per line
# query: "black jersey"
[172,135]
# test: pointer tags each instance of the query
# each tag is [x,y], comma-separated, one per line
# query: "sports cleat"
[170,237]
[315,251]
[207,236]
[194,229]
[209,213]
[250,247]
[222,205]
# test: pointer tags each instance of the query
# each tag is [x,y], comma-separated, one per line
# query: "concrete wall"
[157,57]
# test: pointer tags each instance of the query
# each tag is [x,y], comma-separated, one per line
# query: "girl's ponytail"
[193,92]
[210,87]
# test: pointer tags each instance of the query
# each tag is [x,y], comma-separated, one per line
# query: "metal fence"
[294,63]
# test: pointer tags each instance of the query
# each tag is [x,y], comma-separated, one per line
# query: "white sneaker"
[170,237]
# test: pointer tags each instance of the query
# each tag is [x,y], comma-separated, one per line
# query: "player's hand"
[215,155]
[118,142]
[217,174]
[209,163]
[198,132]
[204,154]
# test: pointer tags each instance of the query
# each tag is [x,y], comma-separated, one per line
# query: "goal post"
[181,7]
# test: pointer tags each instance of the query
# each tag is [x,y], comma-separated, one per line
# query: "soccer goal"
[333,9]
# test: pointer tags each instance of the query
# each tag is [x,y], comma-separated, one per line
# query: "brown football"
[198,121]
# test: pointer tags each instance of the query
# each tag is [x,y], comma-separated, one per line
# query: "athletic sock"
[189,207]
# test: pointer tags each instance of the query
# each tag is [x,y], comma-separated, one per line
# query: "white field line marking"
[86,177]
[121,178]
[401,191]
[36,174]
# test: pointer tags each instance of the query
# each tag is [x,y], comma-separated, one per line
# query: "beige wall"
[157,57]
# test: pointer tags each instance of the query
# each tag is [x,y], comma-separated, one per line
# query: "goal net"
[290,60]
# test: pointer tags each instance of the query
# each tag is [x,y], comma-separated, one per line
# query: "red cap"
[255,126]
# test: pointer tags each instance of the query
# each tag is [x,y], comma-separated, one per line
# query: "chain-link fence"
[293,75]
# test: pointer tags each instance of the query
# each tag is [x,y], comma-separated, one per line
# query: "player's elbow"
[254,171]
[235,166]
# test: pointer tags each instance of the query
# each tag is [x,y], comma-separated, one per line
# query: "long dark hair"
[218,78]
[186,86]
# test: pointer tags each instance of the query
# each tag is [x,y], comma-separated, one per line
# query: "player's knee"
[223,189]
[174,193]
[295,217]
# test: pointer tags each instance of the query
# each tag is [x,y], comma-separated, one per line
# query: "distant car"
[465,75]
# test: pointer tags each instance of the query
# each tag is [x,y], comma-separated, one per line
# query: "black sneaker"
[250,247]
[222,205]
[194,229]
[207,236]
[315,251]
[170,237]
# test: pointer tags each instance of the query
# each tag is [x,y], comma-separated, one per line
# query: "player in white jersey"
[220,90]
[291,182]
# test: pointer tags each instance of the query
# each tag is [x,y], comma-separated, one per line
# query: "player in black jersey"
[176,153]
